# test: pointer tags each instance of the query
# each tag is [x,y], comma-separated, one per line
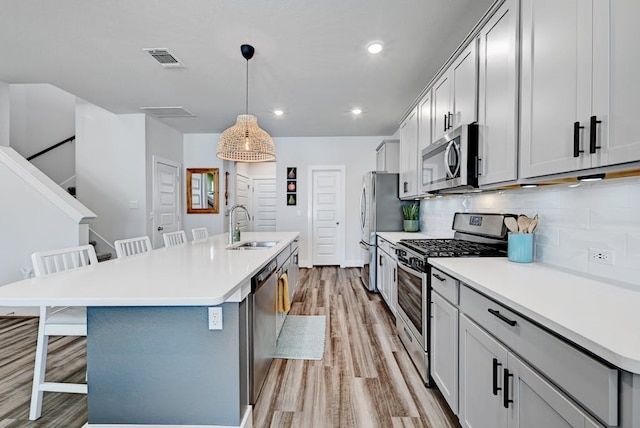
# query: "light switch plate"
[215,318]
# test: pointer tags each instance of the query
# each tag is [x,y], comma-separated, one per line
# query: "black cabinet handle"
[436,276]
[395,278]
[593,134]
[380,260]
[576,139]
[505,398]
[512,323]
[450,117]
[406,184]
[496,388]
[445,122]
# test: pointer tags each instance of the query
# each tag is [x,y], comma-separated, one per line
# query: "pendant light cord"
[246,107]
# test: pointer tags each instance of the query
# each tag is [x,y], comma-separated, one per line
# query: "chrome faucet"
[231,211]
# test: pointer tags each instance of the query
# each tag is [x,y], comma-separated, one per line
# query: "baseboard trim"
[246,422]
[346,264]
[19,311]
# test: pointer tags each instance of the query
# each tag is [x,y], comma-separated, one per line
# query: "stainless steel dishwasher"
[262,322]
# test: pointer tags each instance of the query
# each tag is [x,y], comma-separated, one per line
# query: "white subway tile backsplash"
[633,192]
[633,246]
[602,239]
[547,235]
[573,219]
[601,215]
[614,218]
[565,257]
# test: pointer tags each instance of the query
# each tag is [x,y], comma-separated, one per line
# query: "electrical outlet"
[215,318]
[604,257]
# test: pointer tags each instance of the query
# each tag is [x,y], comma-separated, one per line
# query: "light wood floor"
[364,380]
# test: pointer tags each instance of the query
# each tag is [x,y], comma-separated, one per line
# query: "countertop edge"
[12,295]
[611,356]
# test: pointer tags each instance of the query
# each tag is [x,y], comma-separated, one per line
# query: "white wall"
[167,143]
[37,226]
[5,116]
[111,173]
[357,154]
[599,215]
[200,152]
[43,115]
[259,169]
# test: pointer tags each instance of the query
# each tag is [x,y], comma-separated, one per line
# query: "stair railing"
[48,149]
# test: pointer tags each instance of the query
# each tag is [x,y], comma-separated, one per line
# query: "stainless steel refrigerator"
[380,211]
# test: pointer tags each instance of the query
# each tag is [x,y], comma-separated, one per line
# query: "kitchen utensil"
[523,223]
[511,224]
[533,225]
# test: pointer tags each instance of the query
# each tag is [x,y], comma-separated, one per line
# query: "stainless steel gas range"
[476,235]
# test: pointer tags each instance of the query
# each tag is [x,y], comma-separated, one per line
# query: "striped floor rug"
[302,337]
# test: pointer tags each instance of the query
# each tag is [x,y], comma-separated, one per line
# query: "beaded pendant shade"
[246,141]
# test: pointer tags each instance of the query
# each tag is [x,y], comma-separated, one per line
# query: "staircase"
[102,257]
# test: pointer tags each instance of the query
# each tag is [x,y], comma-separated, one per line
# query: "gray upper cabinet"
[498,96]
[454,94]
[425,116]
[564,83]
[408,182]
[387,156]
[624,138]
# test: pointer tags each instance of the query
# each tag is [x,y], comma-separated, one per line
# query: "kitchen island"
[151,357]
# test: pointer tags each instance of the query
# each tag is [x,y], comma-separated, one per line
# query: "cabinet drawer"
[385,246]
[590,382]
[447,286]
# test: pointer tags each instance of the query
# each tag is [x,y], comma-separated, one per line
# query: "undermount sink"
[253,245]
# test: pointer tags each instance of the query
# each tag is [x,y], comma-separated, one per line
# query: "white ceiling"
[310,57]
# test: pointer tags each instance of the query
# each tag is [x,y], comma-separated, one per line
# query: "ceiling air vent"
[162,112]
[164,57]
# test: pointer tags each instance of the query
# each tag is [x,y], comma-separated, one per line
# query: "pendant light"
[246,141]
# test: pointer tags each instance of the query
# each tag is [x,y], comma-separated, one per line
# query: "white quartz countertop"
[601,317]
[198,273]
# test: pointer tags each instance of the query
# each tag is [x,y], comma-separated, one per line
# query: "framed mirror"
[203,192]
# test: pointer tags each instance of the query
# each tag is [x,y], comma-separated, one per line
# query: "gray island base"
[150,366]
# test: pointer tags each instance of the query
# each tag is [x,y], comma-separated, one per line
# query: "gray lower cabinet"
[480,362]
[498,389]
[444,348]
[537,403]
[387,274]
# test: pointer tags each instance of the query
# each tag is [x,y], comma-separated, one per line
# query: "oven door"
[412,301]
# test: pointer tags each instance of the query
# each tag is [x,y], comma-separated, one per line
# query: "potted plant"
[411,214]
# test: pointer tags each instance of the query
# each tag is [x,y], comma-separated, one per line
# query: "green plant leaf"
[411,211]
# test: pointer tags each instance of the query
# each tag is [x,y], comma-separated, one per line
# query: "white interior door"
[197,189]
[243,197]
[264,205]
[166,199]
[327,208]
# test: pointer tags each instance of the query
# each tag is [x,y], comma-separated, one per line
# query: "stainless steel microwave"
[450,165]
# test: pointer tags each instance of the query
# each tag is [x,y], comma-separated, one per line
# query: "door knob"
[337,222]
[160,228]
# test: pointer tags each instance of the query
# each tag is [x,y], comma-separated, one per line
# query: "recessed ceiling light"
[278,112]
[356,111]
[374,47]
